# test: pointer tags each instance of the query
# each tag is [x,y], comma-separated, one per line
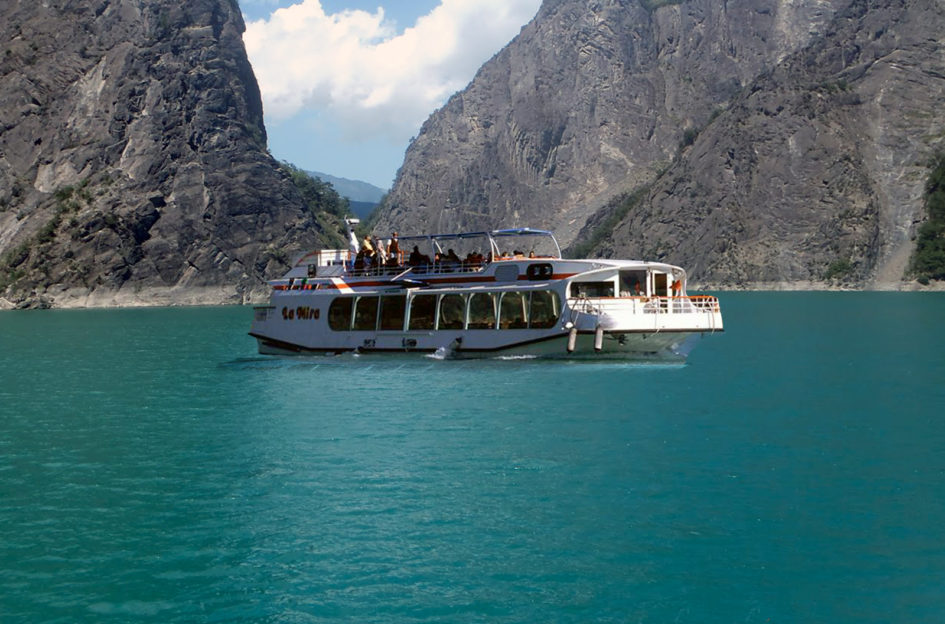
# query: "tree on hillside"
[319,196]
[326,205]
[928,262]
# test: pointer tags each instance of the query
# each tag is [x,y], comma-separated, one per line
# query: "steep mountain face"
[133,164]
[778,140]
[816,172]
[591,99]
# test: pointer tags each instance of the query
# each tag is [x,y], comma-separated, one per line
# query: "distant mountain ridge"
[355,190]
[761,143]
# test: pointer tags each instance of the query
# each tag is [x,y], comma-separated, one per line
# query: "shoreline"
[808,286]
[190,296]
[146,297]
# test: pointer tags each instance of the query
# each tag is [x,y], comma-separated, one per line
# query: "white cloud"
[356,68]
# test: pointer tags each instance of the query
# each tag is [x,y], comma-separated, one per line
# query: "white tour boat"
[504,292]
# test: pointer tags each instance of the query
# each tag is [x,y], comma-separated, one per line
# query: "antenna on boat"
[353,243]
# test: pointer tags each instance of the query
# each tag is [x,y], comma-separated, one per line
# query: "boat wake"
[442,353]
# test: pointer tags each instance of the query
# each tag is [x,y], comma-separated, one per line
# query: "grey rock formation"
[591,99]
[782,141]
[133,163]
[815,174]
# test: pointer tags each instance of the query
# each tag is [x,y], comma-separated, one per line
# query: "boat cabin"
[643,280]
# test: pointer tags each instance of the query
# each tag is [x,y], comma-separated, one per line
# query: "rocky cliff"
[815,174]
[133,163]
[757,142]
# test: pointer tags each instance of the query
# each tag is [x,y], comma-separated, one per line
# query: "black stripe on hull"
[296,348]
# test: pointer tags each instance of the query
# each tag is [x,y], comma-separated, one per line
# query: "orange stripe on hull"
[340,284]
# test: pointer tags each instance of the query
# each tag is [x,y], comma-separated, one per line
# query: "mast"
[353,243]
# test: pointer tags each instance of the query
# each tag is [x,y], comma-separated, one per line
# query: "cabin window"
[339,313]
[393,311]
[540,271]
[422,312]
[513,311]
[592,289]
[544,309]
[452,308]
[482,311]
[632,283]
[506,273]
[365,314]
[660,285]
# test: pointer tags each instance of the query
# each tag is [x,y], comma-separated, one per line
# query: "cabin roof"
[481,234]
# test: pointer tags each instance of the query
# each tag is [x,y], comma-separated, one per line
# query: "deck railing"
[335,263]
[646,305]
[434,268]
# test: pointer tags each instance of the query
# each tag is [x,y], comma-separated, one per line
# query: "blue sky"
[404,12]
[347,83]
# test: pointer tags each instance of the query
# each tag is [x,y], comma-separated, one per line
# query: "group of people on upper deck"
[374,257]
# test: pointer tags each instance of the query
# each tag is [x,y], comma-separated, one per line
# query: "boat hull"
[635,346]
[301,328]
[508,303]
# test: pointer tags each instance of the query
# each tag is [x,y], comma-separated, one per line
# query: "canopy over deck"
[508,237]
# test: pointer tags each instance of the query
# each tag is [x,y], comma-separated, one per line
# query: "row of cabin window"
[509,310]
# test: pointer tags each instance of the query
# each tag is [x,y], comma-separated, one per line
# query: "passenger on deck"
[637,292]
[380,253]
[451,262]
[372,253]
[473,260]
[393,248]
[418,259]
[368,245]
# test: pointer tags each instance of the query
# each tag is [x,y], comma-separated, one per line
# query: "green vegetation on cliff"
[319,196]
[594,234]
[323,201]
[14,264]
[928,262]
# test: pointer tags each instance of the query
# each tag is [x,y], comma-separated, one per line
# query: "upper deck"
[521,254]
[468,252]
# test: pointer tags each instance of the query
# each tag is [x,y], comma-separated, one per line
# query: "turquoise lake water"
[154,468]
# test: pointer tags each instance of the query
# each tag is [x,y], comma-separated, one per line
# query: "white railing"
[696,313]
[645,305]
[434,268]
[334,263]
